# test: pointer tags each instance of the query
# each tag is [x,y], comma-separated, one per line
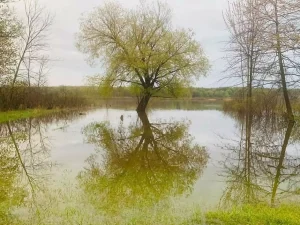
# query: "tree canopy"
[141,48]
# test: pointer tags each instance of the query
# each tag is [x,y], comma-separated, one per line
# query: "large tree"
[141,48]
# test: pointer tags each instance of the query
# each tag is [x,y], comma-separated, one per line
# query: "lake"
[111,165]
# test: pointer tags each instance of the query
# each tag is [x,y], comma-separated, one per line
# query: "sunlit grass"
[23,114]
[251,215]
[66,203]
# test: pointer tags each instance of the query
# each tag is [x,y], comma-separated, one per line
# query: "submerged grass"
[73,208]
[23,114]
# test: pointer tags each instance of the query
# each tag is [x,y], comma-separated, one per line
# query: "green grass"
[252,215]
[23,114]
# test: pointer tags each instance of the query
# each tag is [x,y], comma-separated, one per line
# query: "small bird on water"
[122,118]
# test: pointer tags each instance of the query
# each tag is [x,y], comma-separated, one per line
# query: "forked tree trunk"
[142,105]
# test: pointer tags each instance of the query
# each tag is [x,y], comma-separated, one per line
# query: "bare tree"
[33,43]
[282,44]
[245,45]
[265,43]
[42,72]
[36,70]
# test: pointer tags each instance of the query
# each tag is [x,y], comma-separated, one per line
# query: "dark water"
[113,166]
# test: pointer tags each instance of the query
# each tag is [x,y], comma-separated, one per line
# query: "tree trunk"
[144,118]
[282,70]
[142,105]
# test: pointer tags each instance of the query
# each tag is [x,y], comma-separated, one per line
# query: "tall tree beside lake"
[244,47]
[282,44]
[140,48]
[265,44]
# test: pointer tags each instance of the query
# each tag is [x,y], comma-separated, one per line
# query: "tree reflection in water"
[143,164]
[263,165]
[24,161]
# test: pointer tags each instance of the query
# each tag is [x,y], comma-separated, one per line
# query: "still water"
[114,166]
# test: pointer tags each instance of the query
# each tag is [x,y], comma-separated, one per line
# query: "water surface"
[116,166]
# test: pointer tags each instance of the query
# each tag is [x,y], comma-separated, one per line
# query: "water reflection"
[263,165]
[141,167]
[161,104]
[11,193]
[24,161]
[143,163]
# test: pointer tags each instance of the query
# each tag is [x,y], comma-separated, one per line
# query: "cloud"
[204,17]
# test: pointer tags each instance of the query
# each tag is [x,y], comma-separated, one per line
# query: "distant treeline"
[194,92]
[224,92]
[40,97]
[77,96]
[80,96]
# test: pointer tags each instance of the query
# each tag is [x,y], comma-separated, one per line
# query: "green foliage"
[9,30]
[12,193]
[140,47]
[225,92]
[23,114]
[258,215]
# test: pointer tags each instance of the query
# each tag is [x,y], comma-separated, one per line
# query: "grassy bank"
[23,114]
[247,215]
[251,215]
[75,207]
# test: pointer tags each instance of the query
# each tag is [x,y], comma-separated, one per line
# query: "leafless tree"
[33,44]
[43,70]
[265,44]
[37,70]
[281,18]
[244,46]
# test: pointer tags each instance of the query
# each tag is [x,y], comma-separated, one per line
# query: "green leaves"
[140,47]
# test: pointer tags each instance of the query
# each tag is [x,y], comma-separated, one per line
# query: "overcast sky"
[204,17]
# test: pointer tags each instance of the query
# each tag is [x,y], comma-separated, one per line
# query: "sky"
[69,67]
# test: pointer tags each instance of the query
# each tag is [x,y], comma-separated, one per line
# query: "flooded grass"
[257,214]
[110,166]
[72,208]
[66,204]
[23,114]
